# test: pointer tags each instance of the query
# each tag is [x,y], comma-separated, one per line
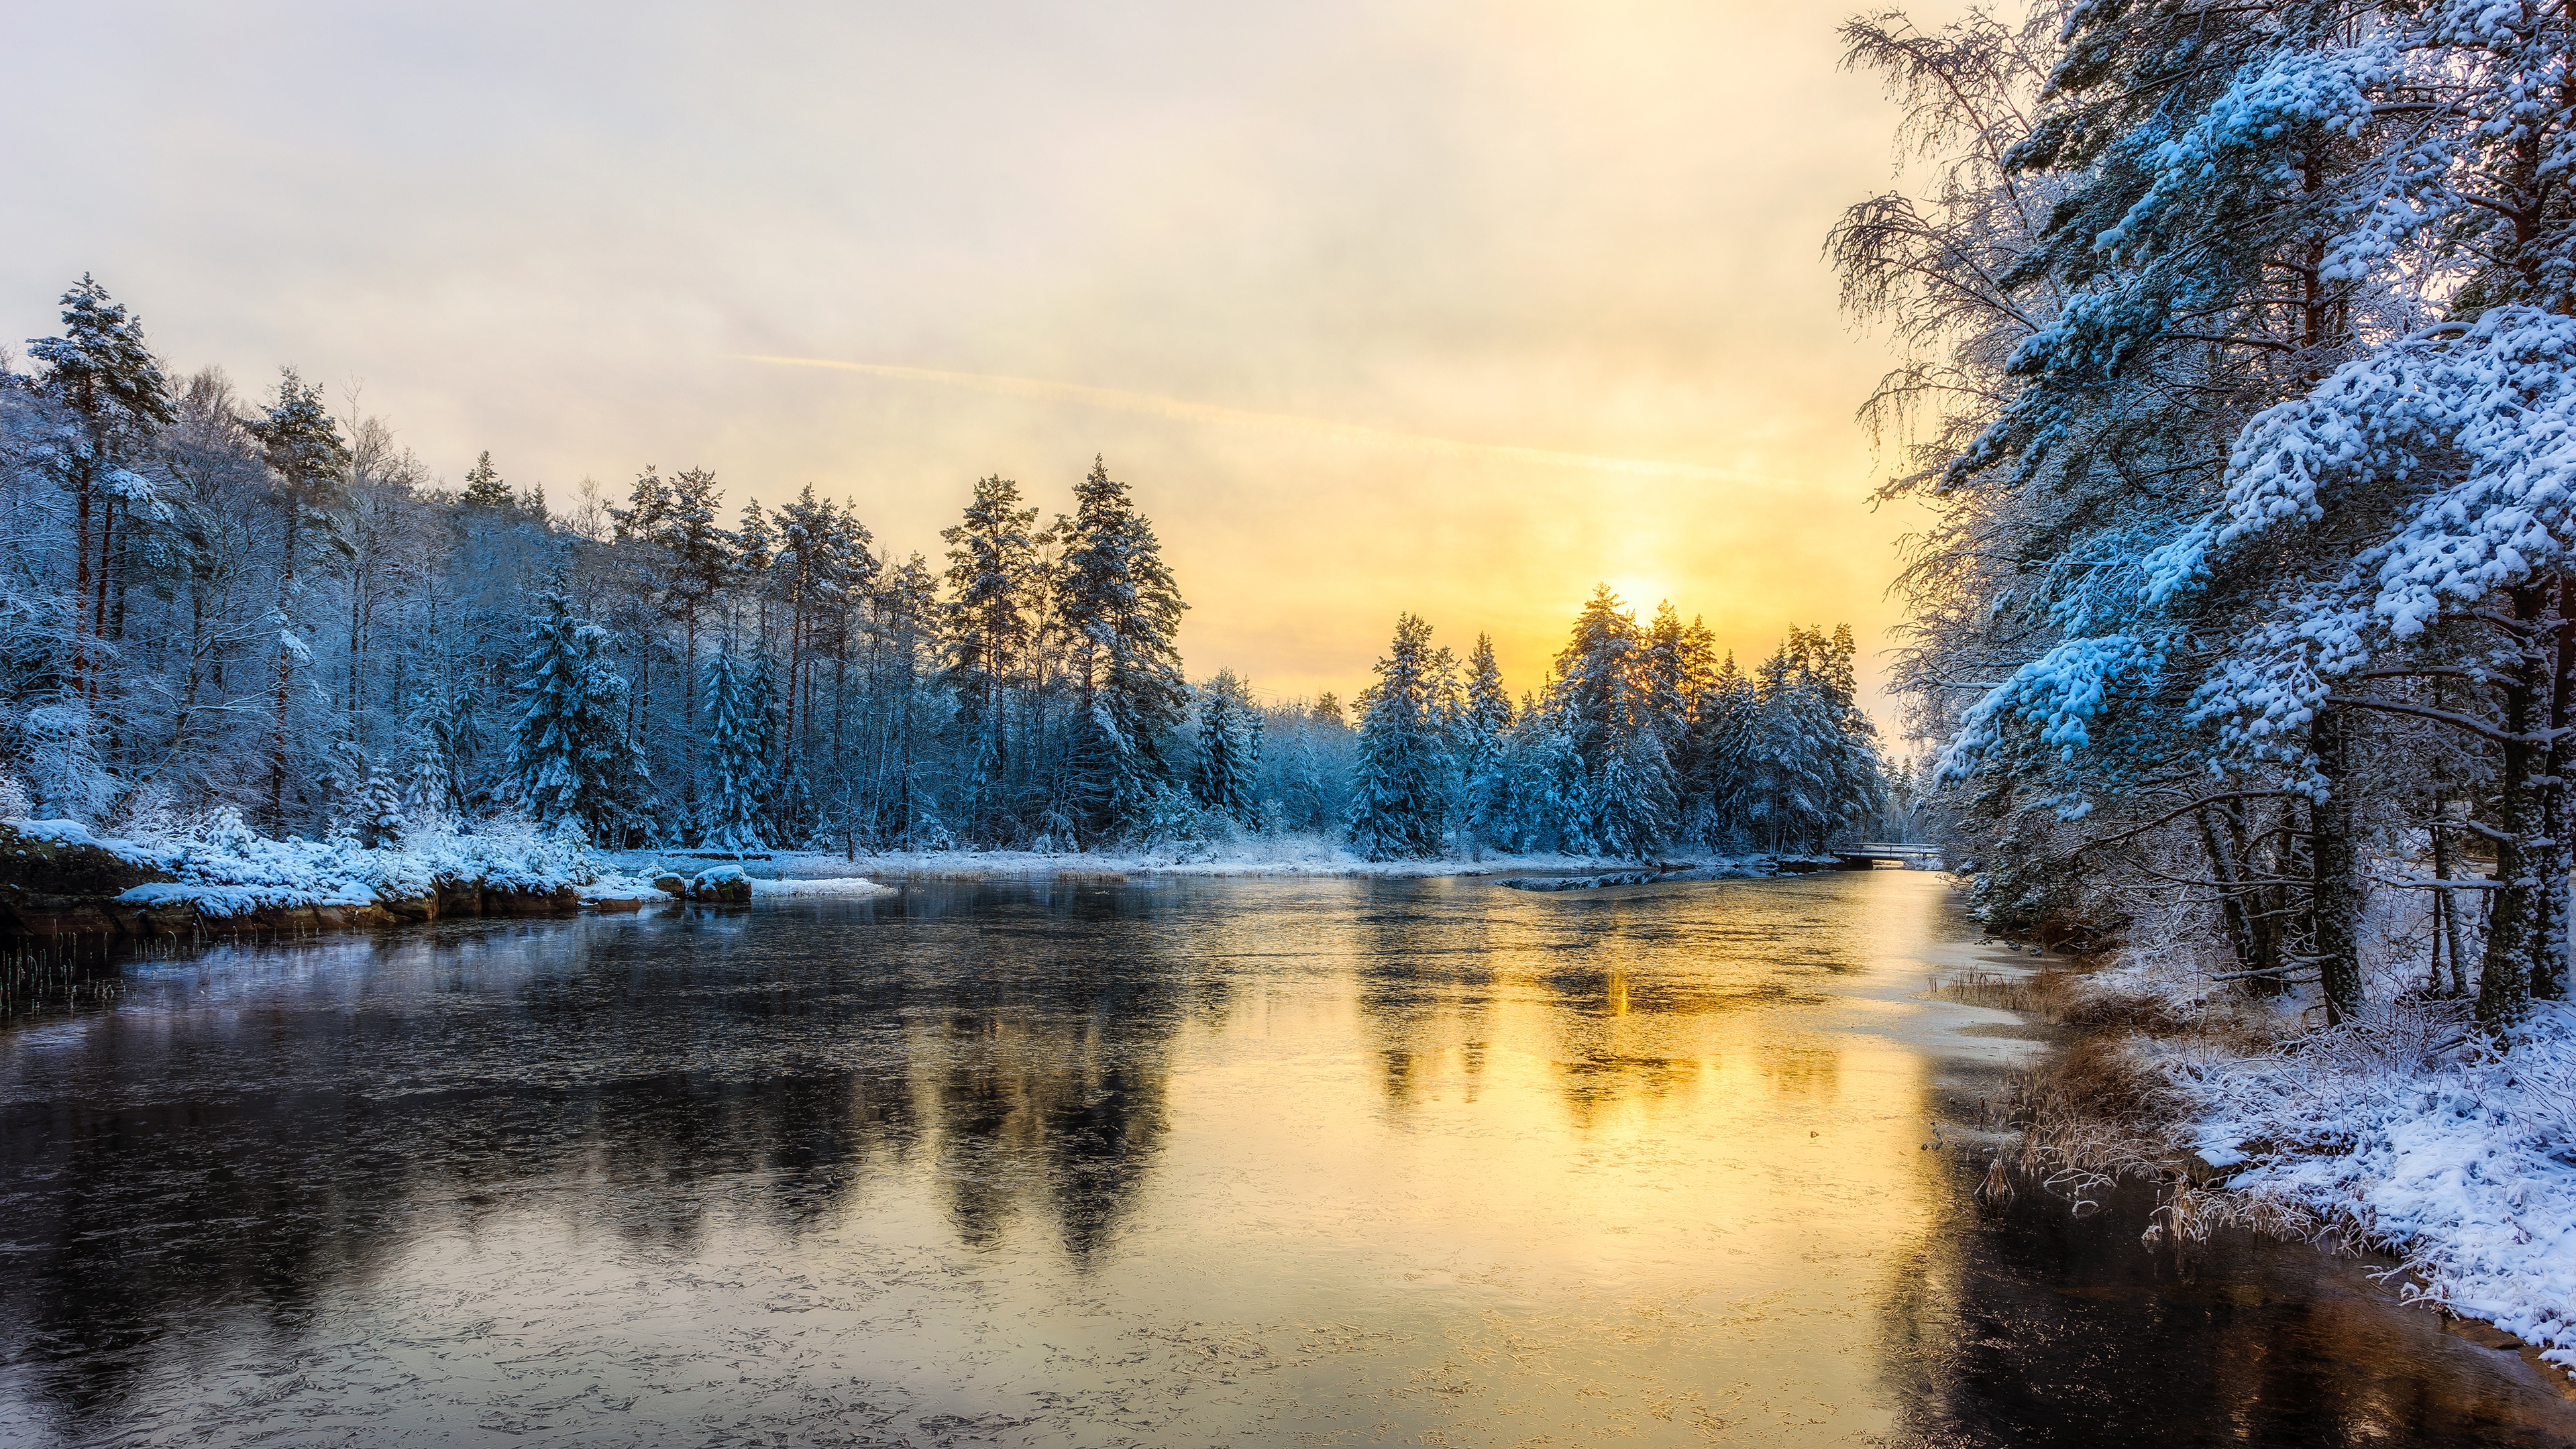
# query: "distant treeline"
[215,602]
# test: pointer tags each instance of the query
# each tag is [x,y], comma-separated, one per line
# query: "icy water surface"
[1176,1162]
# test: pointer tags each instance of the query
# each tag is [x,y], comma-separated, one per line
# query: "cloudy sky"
[1457,308]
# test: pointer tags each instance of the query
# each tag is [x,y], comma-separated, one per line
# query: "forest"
[266,609]
[2237,380]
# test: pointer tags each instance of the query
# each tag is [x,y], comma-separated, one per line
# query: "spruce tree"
[733,808]
[1484,727]
[444,740]
[1229,750]
[381,822]
[1116,610]
[1399,805]
[1619,796]
[569,763]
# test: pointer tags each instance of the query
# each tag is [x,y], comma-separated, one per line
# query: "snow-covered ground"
[225,869]
[1257,855]
[2408,1131]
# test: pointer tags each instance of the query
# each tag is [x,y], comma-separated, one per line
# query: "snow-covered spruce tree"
[1400,788]
[1115,610]
[733,804]
[822,568]
[992,575]
[1621,800]
[1305,765]
[1484,729]
[1725,724]
[570,763]
[444,740]
[1226,774]
[379,810]
[307,462]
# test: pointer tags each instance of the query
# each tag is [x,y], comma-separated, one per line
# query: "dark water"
[1171,1163]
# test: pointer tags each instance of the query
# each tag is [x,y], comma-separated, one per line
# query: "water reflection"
[1050,1162]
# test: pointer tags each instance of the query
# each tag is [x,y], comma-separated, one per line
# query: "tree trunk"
[2337,889]
[2517,919]
[2550,856]
[285,663]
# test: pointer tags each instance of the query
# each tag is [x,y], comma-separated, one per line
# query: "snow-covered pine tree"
[733,803]
[570,763]
[307,461]
[114,399]
[1225,775]
[1724,727]
[1400,791]
[992,579]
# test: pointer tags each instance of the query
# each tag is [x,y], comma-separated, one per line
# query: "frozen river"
[1173,1162]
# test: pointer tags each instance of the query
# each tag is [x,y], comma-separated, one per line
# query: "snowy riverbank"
[2405,1131]
[59,879]
[62,880]
[1281,855]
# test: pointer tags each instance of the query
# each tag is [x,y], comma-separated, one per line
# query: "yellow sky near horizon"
[1379,306]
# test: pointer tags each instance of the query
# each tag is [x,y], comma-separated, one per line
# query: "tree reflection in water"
[1054,1161]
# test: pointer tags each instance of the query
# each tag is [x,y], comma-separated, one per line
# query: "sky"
[1400,305]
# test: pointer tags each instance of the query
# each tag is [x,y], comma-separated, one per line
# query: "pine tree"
[1229,750]
[102,373]
[734,807]
[569,763]
[992,574]
[307,460]
[1399,806]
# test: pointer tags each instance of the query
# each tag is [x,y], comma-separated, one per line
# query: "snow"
[2405,1131]
[847,885]
[2466,1168]
[227,869]
[2060,694]
[807,872]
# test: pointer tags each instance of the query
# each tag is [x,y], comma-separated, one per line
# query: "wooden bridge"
[1866,856]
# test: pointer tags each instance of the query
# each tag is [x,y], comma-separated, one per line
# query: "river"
[1167,1162]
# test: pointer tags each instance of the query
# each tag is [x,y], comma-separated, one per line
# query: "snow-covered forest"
[2241,385]
[2240,367]
[261,605]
